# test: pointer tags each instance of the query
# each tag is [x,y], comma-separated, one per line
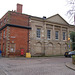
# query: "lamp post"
[68,44]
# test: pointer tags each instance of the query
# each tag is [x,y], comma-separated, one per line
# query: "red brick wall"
[20,37]
[2,20]
[3,41]
[18,19]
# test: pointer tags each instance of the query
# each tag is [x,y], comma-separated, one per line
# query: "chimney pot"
[19,8]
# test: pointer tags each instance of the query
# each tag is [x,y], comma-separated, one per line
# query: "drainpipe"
[28,55]
[28,36]
[44,24]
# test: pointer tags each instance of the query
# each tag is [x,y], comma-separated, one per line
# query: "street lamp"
[68,39]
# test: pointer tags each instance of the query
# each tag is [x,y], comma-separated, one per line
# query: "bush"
[73,59]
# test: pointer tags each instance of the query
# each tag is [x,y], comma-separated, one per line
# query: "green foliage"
[72,36]
[73,59]
[73,56]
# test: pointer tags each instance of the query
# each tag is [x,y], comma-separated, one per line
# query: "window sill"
[38,38]
[57,39]
[48,39]
[64,40]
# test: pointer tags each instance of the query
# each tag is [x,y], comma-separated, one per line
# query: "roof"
[19,26]
[57,19]
[54,19]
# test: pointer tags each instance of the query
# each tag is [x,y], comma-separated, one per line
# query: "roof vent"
[44,17]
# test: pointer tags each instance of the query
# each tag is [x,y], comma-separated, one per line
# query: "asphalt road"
[35,66]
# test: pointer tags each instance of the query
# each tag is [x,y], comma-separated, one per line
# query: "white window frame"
[64,36]
[38,32]
[56,35]
[48,34]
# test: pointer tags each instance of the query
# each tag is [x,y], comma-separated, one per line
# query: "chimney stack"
[19,8]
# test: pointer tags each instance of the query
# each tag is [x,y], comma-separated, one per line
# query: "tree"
[72,36]
[71,11]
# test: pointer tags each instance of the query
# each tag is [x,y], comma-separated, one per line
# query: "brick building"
[21,33]
[14,32]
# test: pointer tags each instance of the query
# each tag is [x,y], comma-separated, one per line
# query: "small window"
[3,47]
[48,34]
[38,32]
[4,34]
[56,34]
[1,23]
[0,35]
[4,20]
[12,49]
[0,46]
[64,35]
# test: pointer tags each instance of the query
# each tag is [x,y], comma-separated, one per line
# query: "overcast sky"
[37,8]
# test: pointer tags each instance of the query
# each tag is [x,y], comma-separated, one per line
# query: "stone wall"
[44,46]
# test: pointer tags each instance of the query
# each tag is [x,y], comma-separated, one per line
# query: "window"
[4,34]
[4,20]
[0,46]
[12,49]
[1,23]
[64,35]
[48,34]
[56,34]
[0,35]
[3,47]
[38,32]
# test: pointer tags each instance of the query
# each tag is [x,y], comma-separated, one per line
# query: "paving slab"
[2,72]
[35,66]
[70,65]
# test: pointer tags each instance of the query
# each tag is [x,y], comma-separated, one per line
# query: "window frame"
[0,35]
[5,20]
[12,47]
[49,34]
[1,23]
[38,32]
[4,34]
[3,47]
[64,36]
[56,35]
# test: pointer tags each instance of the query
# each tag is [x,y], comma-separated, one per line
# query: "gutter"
[12,25]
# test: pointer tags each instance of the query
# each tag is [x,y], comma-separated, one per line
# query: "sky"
[37,8]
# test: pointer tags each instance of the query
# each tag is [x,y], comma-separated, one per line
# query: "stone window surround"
[56,38]
[12,46]
[48,37]
[65,35]
[38,32]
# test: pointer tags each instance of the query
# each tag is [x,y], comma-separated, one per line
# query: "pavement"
[70,65]
[36,66]
[2,72]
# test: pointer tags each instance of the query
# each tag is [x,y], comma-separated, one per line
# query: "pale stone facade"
[52,46]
